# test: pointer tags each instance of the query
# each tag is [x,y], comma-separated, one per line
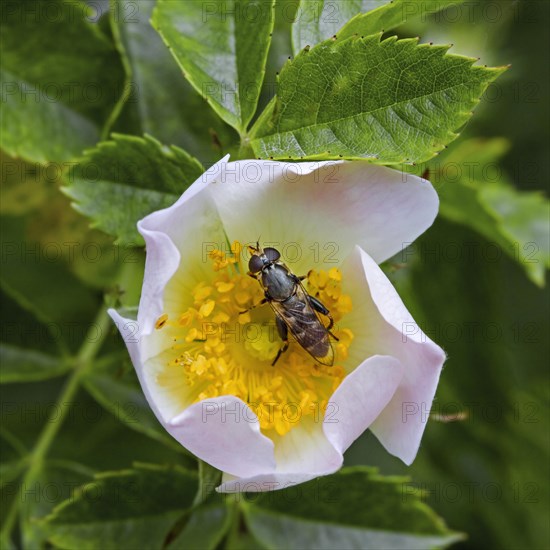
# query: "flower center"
[219,350]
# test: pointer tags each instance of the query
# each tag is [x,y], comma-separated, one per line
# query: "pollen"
[222,347]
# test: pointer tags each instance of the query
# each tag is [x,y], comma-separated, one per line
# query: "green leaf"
[31,190]
[209,479]
[391,15]
[318,20]
[243,541]
[163,104]
[222,48]
[24,365]
[13,458]
[522,218]
[355,508]
[115,387]
[128,509]
[122,180]
[67,306]
[40,131]
[390,101]
[475,191]
[55,103]
[54,483]
[205,527]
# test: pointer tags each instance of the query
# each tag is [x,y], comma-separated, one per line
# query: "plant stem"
[233,535]
[92,344]
[245,150]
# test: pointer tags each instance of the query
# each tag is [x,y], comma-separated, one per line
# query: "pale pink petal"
[225,432]
[180,231]
[131,334]
[315,212]
[360,398]
[302,454]
[402,422]
[161,262]
[268,482]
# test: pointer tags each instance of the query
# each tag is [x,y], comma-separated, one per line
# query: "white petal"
[302,454]
[360,398]
[225,433]
[394,332]
[130,332]
[266,482]
[315,212]
[180,232]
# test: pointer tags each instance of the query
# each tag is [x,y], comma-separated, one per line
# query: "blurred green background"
[487,473]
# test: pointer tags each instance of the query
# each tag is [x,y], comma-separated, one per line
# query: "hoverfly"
[294,308]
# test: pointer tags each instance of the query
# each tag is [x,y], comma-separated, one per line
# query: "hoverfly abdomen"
[295,310]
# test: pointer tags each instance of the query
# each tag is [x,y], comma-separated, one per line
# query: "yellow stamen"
[218,350]
[161,321]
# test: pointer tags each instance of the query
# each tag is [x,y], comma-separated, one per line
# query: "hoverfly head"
[261,257]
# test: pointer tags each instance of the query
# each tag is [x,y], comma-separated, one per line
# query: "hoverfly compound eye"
[272,254]
[255,264]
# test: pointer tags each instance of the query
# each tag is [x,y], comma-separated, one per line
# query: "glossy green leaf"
[222,47]
[325,514]
[122,180]
[55,104]
[128,509]
[25,365]
[318,20]
[390,102]
[162,103]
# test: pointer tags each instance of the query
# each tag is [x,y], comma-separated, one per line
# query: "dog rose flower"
[205,367]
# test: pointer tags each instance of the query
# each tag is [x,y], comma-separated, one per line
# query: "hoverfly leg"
[318,306]
[260,303]
[283,333]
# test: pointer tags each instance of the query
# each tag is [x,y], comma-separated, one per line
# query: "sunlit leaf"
[390,101]
[122,180]
[222,48]
[318,20]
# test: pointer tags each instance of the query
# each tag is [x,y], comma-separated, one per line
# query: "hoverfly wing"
[306,326]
